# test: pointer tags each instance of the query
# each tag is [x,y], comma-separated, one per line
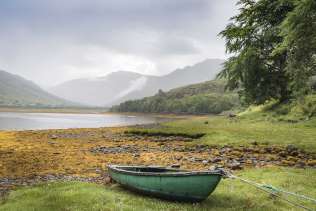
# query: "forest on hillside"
[203,98]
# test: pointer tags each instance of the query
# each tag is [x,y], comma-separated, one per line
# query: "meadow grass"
[243,130]
[229,195]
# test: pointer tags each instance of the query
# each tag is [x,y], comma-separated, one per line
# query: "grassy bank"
[230,195]
[251,127]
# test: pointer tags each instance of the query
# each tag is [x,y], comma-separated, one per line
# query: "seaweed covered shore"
[31,157]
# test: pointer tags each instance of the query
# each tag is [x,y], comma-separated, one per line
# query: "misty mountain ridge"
[18,91]
[117,87]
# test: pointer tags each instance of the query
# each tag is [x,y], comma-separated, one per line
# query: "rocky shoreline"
[32,157]
[231,157]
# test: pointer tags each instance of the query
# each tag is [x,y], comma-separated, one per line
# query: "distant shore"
[82,110]
[88,110]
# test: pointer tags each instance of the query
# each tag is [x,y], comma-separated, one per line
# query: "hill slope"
[17,91]
[207,97]
[99,91]
[120,86]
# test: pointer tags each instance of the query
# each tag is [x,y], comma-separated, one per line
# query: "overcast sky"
[51,41]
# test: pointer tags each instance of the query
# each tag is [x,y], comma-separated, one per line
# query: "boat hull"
[171,185]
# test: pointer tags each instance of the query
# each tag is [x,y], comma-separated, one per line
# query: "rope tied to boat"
[274,191]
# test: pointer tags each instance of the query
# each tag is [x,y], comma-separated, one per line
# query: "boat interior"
[148,169]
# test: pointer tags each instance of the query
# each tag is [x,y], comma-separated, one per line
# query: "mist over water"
[35,121]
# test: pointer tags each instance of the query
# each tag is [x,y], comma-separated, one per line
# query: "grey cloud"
[50,41]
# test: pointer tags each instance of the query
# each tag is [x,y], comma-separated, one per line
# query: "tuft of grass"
[229,195]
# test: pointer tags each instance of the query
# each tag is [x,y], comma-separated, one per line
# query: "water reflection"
[32,121]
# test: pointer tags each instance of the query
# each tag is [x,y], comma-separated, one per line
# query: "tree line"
[205,98]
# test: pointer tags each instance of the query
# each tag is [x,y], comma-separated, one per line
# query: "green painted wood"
[167,183]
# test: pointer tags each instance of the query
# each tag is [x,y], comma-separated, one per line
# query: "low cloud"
[53,41]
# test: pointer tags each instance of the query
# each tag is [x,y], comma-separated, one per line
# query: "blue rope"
[289,193]
[273,190]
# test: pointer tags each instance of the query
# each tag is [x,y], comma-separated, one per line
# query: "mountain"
[98,91]
[120,86]
[204,98]
[17,91]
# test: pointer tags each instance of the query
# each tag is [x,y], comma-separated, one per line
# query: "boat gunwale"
[176,173]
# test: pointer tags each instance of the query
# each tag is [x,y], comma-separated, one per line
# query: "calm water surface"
[33,121]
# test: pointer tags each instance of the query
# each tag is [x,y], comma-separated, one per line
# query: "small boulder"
[108,180]
[311,162]
[178,157]
[53,137]
[291,148]
[175,166]
[235,165]
[231,115]
[205,162]
[216,159]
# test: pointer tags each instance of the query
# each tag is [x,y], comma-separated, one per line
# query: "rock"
[237,154]
[241,160]
[136,155]
[282,154]
[216,159]
[178,157]
[205,162]
[231,115]
[267,149]
[270,158]
[53,137]
[235,165]
[216,152]
[300,164]
[197,159]
[287,163]
[175,166]
[291,158]
[291,148]
[108,180]
[294,153]
[225,150]
[249,162]
[212,168]
[311,162]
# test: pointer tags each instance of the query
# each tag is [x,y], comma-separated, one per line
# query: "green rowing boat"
[167,183]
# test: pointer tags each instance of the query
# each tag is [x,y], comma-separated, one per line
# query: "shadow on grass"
[214,201]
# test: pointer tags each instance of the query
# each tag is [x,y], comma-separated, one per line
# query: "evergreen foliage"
[272,43]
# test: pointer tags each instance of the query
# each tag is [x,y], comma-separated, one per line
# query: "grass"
[244,130]
[229,195]
[259,124]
